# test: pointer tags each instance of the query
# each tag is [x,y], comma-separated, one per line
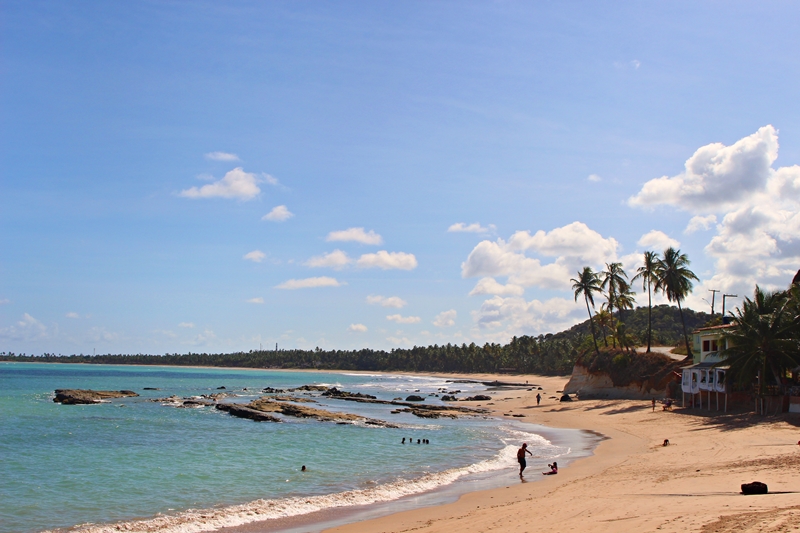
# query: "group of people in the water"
[419,441]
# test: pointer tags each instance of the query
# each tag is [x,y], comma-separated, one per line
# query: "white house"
[702,376]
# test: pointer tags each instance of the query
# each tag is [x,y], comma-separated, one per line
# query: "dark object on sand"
[565,398]
[415,398]
[478,398]
[666,442]
[448,398]
[88,396]
[756,487]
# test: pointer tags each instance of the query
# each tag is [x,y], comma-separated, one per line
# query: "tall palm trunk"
[591,321]
[685,336]
[649,316]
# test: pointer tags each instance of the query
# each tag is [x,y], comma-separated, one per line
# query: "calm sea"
[146,466]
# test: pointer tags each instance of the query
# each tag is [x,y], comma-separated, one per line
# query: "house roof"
[713,328]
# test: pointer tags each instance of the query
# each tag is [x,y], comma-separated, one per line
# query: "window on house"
[706,346]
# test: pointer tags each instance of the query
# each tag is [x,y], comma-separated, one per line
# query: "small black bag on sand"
[756,487]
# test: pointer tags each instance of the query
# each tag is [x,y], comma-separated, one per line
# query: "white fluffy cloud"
[357,328]
[309,283]
[72,314]
[594,178]
[755,210]
[716,176]
[404,319]
[388,260]
[657,240]
[27,328]
[491,286]
[391,301]
[356,235]
[278,214]
[572,246]
[256,256]
[502,318]
[336,259]
[461,227]
[700,222]
[445,319]
[189,325]
[258,300]
[236,184]
[222,156]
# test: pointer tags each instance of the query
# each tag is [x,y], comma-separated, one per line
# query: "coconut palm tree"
[764,340]
[614,280]
[605,321]
[647,273]
[587,283]
[674,279]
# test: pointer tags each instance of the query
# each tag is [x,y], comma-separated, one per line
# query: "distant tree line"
[551,354]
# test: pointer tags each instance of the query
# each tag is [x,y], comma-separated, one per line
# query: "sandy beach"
[632,482]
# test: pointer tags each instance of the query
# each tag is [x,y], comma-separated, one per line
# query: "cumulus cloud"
[236,184]
[272,180]
[445,319]
[491,286]
[594,178]
[278,214]
[27,328]
[403,319]
[391,301]
[256,256]
[356,235]
[502,318]
[336,259]
[571,246]
[72,314]
[357,328]
[388,260]
[188,325]
[755,209]
[716,176]
[309,283]
[460,227]
[257,300]
[222,156]
[699,222]
[657,240]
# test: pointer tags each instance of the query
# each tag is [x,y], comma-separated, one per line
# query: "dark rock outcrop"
[448,398]
[756,487]
[243,411]
[415,398]
[88,396]
[333,392]
[477,398]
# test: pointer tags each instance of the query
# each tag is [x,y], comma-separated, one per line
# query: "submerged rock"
[88,396]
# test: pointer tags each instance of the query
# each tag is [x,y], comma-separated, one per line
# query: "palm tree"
[674,279]
[647,273]
[587,284]
[605,321]
[615,279]
[764,340]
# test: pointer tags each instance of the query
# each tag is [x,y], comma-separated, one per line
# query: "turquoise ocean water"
[145,466]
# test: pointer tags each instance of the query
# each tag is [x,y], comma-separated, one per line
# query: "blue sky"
[199,176]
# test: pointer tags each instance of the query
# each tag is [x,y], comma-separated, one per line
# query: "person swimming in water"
[521,457]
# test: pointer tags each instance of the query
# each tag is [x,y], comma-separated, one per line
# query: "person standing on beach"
[521,457]
[538,398]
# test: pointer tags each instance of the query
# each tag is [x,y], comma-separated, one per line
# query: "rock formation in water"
[88,396]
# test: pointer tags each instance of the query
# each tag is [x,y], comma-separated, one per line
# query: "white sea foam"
[201,520]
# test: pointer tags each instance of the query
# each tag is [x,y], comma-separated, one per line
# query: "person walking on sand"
[521,457]
[654,405]
[538,398]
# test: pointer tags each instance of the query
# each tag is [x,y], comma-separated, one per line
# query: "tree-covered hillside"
[551,354]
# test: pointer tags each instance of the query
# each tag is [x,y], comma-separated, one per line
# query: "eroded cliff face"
[588,384]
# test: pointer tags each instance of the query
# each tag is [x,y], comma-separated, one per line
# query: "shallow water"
[131,459]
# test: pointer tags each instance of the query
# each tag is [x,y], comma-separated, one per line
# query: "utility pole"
[713,295]
[723,303]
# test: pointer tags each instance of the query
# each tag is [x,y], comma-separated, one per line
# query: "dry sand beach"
[633,482]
